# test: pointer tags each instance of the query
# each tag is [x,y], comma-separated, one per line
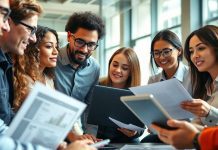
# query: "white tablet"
[147,109]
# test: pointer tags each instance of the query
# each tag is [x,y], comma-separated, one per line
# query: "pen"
[101,143]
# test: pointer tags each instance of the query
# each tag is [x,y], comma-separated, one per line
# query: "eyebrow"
[197,45]
[122,64]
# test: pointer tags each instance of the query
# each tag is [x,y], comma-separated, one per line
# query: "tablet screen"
[147,110]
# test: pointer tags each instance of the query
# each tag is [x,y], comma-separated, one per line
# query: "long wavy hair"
[134,78]
[26,67]
[209,36]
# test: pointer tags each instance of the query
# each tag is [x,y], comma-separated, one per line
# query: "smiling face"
[203,56]
[19,35]
[167,63]
[48,51]
[80,54]
[119,70]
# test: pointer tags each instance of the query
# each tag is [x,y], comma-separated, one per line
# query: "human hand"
[80,145]
[73,137]
[181,137]
[62,146]
[198,107]
[127,132]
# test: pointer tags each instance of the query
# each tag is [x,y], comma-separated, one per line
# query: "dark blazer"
[6,88]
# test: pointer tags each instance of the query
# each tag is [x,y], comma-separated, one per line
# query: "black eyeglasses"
[31,28]
[5,12]
[166,52]
[78,42]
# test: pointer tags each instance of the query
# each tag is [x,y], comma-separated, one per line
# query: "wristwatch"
[195,142]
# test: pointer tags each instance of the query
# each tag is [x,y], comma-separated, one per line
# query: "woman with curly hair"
[36,65]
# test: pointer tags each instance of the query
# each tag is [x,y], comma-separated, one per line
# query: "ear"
[180,52]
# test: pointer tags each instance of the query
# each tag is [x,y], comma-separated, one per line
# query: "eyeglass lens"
[6,12]
[91,46]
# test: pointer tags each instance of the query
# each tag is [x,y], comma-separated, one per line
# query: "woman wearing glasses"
[123,72]
[167,53]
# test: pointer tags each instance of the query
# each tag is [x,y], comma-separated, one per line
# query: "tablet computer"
[105,103]
[147,109]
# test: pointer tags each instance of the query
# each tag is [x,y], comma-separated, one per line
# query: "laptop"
[106,103]
[147,109]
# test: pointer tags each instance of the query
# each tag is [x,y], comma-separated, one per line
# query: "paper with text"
[127,126]
[45,117]
[169,93]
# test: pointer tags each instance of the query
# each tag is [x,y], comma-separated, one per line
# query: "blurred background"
[132,23]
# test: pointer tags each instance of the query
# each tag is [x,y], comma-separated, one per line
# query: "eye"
[166,51]
[91,44]
[200,48]
[125,68]
[80,42]
[48,46]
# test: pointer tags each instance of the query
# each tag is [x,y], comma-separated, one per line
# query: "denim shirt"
[78,83]
[6,88]
[75,82]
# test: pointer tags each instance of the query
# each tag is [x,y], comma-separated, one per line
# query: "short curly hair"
[86,20]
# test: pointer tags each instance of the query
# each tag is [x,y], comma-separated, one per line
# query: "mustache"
[79,52]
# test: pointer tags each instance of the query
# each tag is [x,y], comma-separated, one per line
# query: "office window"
[113,31]
[210,14]
[142,49]
[141,18]
[169,13]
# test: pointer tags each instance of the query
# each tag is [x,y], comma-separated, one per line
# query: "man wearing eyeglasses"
[22,21]
[76,72]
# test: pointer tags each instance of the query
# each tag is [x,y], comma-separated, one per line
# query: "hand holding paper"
[127,126]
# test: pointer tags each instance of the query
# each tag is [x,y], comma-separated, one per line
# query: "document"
[169,93]
[45,117]
[147,147]
[127,126]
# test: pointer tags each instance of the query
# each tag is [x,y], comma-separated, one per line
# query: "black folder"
[105,103]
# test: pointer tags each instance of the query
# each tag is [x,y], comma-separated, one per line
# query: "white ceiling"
[60,10]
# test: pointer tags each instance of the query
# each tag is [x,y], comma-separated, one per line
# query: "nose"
[55,51]
[84,49]
[118,69]
[6,26]
[194,54]
[32,38]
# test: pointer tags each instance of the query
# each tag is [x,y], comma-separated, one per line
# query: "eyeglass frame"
[85,43]
[6,14]
[161,52]
[31,28]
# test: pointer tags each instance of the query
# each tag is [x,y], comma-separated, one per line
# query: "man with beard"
[76,72]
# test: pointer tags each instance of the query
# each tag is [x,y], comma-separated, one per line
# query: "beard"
[76,60]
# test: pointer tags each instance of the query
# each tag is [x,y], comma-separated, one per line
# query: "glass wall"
[210,12]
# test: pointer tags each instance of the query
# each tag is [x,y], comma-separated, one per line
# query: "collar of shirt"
[180,73]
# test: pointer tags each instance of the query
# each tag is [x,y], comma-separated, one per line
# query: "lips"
[199,62]
[53,59]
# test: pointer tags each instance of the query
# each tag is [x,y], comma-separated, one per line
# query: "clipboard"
[106,103]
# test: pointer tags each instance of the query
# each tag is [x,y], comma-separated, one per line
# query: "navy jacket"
[6,88]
